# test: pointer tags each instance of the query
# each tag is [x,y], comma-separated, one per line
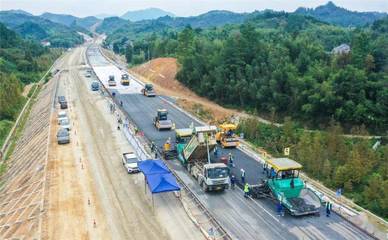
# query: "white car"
[130,161]
[65,123]
[61,115]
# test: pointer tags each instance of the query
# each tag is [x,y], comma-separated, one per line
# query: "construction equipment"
[124,79]
[284,185]
[226,136]
[194,155]
[148,90]
[111,81]
[161,122]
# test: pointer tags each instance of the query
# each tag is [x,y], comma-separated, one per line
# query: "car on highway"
[63,105]
[65,124]
[61,115]
[95,86]
[61,99]
[88,75]
[63,136]
[111,81]
[130,161]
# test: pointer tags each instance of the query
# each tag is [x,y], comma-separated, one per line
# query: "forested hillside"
[70,20]
[333,14]
[21,62]
[280,64]
[37,28]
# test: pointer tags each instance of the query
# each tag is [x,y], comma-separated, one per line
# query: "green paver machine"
[283,184]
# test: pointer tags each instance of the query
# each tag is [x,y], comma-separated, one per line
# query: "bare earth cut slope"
[161,72]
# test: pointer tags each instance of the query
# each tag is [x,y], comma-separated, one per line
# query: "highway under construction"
[241,218]
[81,190]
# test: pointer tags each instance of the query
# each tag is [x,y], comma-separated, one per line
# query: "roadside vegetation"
[21,62]
[338,162]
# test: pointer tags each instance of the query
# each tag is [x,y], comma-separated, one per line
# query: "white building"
[341,49]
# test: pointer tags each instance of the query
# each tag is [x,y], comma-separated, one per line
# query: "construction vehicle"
[226,136]
[161,122]
[283,184]
[111,81]
[124,79]
[194,154]
[148,90]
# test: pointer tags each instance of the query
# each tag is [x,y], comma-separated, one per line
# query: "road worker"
[231,162]
[242,176]
[246,190]
[167,145]
[232,181]
[328,208]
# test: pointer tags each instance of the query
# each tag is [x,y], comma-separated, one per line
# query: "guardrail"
[140,148]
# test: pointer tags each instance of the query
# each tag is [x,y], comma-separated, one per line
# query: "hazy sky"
[179,7]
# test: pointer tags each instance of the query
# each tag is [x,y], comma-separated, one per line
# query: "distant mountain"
[38,28]
[104,15]
[146,14]
[336,15]
[70,20]
[111,24]
[209,19]
[19,11]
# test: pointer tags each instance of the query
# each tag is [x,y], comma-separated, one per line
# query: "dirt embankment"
[161,72]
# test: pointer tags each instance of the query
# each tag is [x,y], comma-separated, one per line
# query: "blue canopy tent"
[149,167]
[162,183]
[158,177]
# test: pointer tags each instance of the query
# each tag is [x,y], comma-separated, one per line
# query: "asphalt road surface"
[242,218]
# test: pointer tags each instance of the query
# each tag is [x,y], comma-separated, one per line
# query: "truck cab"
[148,90]
[125,79]
[111,81]
[161,122]
[211,176]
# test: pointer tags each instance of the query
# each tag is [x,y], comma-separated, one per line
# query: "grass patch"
[5,127]
[201,112]
[29,95]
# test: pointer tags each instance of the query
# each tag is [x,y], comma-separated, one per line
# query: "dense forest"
[21,62]
[281,64]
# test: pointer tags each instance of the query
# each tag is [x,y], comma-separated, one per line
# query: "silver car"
[63,136]
[65,124]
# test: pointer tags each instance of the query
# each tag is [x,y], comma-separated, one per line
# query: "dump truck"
[124,79]
[148,90]
[226,136]
[161,122]
[194,154]
[284,185]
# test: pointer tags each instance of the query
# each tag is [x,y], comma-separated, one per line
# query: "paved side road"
[243,219]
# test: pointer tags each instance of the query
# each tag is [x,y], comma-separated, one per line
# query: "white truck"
[195,156]
[130,161]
